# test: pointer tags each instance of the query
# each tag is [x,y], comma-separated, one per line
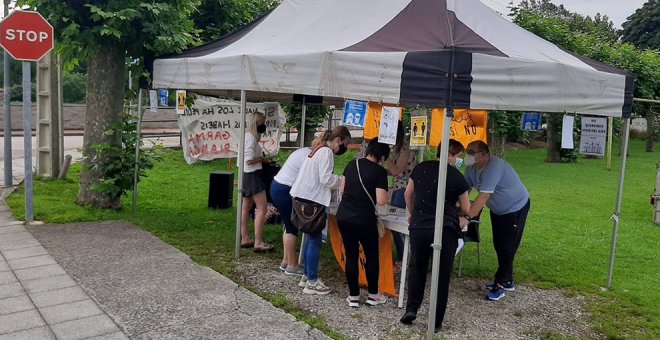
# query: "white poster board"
[594,136]
[389,121]
[210,128]
[153,101]
[567,132]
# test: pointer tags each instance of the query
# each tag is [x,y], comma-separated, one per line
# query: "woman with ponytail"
[313,186]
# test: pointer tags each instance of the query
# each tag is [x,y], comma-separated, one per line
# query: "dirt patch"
[527,313]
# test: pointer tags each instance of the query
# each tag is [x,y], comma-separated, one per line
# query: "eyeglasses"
[472,152]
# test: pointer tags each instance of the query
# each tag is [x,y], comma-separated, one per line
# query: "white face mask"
[469,160]
[459,163]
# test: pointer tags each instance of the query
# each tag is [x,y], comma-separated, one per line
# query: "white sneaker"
[317,288]
[303,281]
[353,301]
[375,300]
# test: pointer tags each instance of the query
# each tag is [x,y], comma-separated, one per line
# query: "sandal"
[248,244]
[265,248]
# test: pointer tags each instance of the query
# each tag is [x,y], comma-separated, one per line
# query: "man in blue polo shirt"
[501,190]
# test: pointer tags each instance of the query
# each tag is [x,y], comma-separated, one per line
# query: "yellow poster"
[467,126]
[180,101]
[418,130]
[372,122]
[386,274]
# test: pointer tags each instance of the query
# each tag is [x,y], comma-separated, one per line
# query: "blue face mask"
[459,163]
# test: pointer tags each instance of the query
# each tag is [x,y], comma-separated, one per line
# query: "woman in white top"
[312,186]
[280,191]
[254,188]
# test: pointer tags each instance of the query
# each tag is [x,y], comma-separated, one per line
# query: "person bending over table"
[421,194]
[356,217]
[502,191]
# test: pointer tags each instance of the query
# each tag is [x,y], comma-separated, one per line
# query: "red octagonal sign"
[26,35]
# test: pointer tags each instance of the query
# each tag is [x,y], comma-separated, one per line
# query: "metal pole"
[610,127]
[27,141]
[137,151]
[302,124]
[60,107]
[619,194]
[7,115]
[439,218]
[240,160]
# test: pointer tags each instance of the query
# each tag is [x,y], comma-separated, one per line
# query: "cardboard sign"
[210,128]
[389,121]
[418,130]
[372,122]
[355,113]
[594,136]
[466,126]
[180,101]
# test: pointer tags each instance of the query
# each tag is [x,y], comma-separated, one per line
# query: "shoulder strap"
[357,164]
[311,154]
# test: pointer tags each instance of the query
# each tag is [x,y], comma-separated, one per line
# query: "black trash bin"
[221,189]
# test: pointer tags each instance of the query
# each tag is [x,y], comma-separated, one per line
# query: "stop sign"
[26,35]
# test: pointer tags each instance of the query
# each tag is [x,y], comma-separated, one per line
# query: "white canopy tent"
[432,53]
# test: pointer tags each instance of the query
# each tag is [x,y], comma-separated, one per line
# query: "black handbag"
[308,217]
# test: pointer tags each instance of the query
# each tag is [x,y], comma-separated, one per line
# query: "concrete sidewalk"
[113,280]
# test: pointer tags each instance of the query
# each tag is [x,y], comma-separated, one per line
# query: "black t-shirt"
[425,178]
[355,205]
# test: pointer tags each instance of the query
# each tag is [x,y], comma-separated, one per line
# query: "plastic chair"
[471,235]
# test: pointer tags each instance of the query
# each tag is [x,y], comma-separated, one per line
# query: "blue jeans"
[312,253]
[282,201]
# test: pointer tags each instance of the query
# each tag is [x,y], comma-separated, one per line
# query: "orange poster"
[467,126]
[386,275]
[372,121]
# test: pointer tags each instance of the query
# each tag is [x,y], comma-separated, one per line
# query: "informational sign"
[355,113]
[26,35]
[389,122]
[180,101]
[466,126]
[211,128]
[531,121]
[164,97]
[567,132]
[372,122]
[594,136]
[153,101]
[417,125]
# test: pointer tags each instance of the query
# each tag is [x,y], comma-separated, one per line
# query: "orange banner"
[386,275]
[467,126]
[372,121]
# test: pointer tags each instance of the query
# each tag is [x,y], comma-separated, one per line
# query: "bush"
[16,93]
[74,86]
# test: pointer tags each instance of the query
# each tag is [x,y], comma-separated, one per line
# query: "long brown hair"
[339,131]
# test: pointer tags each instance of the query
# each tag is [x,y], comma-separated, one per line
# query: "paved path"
[113,280]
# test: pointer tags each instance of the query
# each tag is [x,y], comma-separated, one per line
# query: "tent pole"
[619,194]
[239,160]
[302,124]
[137,151]
[439,217]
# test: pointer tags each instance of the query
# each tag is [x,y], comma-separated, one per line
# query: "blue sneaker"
[496,293]
[509,286]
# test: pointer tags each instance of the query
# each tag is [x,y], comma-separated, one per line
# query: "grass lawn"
[566,243]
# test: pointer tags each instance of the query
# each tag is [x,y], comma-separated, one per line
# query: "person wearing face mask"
[313,186]
[421,201]
[254,188]
[502,191]
[356,217]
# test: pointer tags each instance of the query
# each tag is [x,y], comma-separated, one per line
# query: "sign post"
[26,36]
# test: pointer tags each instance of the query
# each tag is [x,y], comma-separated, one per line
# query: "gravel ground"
[527,313]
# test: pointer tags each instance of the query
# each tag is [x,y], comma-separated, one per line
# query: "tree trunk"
[496,139]
[650,131]
[105,97]
[553,131]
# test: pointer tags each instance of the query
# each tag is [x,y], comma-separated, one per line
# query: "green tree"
[217,18]
[642,28]
[594,41]
[314,116]
[103,34]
